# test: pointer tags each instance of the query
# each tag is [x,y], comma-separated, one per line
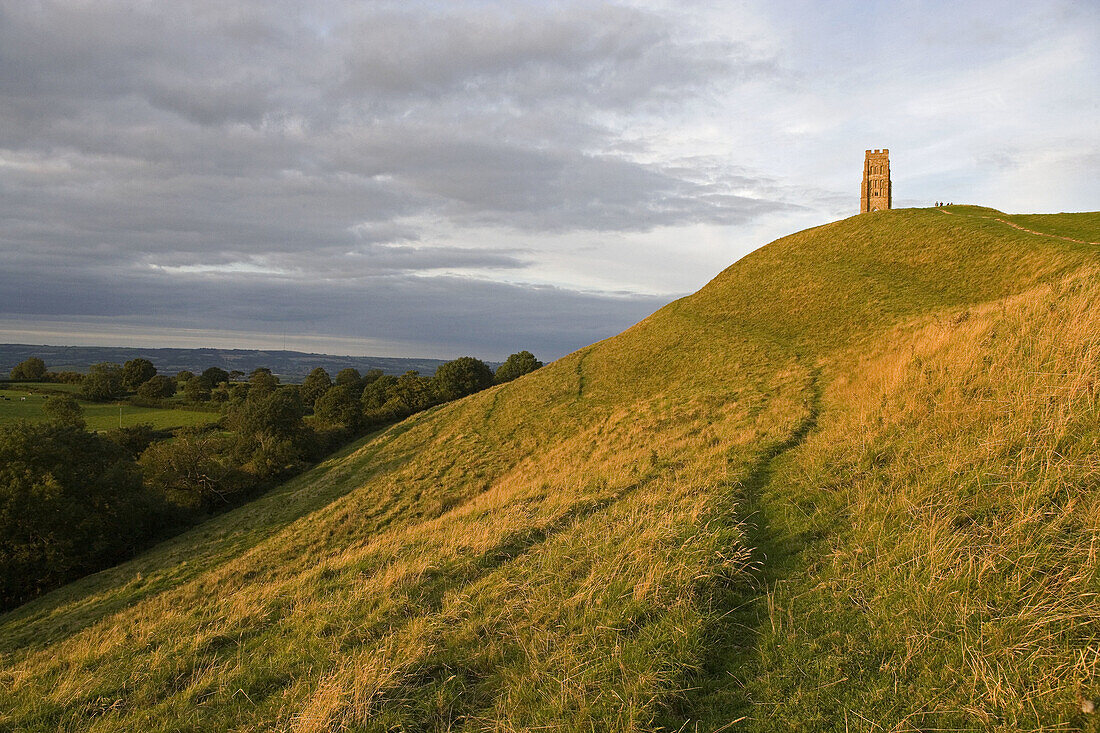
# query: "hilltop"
[852,483]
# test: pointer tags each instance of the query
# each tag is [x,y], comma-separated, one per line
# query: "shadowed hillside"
[851,484]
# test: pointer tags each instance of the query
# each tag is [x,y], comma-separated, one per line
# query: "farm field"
[25,401]
[40,387]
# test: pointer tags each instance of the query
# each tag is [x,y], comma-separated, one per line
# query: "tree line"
[74,501]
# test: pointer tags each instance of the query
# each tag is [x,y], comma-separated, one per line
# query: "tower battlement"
[877,191]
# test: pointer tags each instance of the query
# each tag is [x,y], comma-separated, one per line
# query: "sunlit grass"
[936,538]
[1085,227]
[850,485]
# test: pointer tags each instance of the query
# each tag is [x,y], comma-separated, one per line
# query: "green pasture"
[25,402]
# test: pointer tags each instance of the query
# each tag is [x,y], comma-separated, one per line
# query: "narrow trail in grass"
[716,696]
[1017,226]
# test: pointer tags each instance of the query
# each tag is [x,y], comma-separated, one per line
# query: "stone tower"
[876,194]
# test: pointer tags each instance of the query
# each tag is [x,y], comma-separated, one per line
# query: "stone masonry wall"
[876,194]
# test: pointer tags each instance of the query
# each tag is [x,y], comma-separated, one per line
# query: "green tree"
[214,376]
[65,410]
[271,437]
[183,377]
[516,365]
[341,406]
[31,369]
[196,390]
[193,470]
[315,385]
[278,414]
[103,382]
[137,372]
[238,393]
[461,377]
[133,439]
[156,389]
[350,377]
[261,382]
[71,502]
[67,377]
[377,392]
[410,393]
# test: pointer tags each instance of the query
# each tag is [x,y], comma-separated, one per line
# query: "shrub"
[516,365]
[137,372]
[64,377]
[214,376]
[156,389]
[64,409]
[341,406]
[461,377]
[102,383]
[314,386]
[31,369]
[350,377]
[193,470]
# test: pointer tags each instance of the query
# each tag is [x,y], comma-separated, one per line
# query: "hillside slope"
[852,479]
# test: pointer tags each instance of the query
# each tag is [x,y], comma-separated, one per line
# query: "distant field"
[41,387]
[23,403]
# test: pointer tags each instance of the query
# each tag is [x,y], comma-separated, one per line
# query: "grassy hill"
[851,484]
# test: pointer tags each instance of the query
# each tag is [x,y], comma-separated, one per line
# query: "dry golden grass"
[961,470]
[500,562]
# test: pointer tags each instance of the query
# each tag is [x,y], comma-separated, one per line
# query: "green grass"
[932,545]
[849,485]
[25,403]
[1085,227]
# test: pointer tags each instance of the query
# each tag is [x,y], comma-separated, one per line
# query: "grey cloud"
[607,56]
[455,314]
[147,147]
[403,258]
[215,65]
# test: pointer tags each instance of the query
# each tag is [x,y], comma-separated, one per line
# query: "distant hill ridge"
[851,484]
[290,365]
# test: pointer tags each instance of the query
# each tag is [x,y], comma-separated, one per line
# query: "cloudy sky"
[446,178]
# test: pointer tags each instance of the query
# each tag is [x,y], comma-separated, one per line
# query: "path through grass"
[717,695]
